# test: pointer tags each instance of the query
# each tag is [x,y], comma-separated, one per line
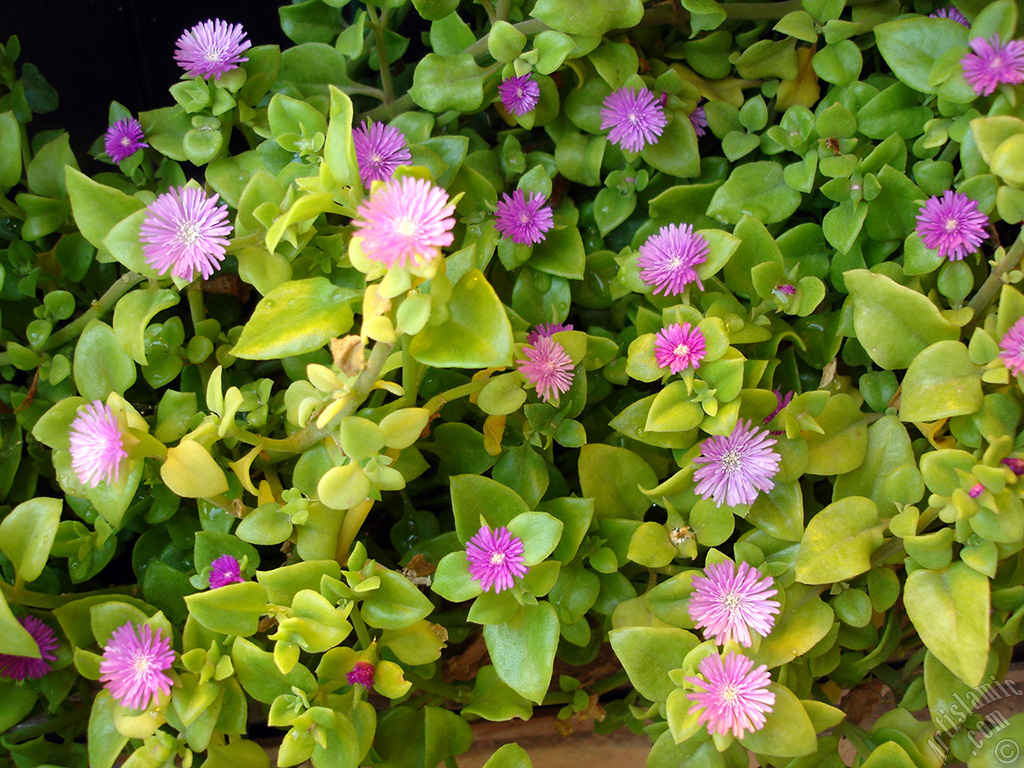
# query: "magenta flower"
[380,149]
[97,445]
[547,329]
[976,490]
[735,695]
[123,139]
[634,116]
[787,289]
[699,121]
[211,47]
[524,219]
[736,467]
[185,232]
[781,402]
[1015,465]
[25,667]
[730,601]
[993,63]
[950,13]
[405,223]
[362,674]
[495,558]
[225,570]
[679,347]
[547,367]
[669,257]
[133,665]
[519,95]
[1012,349]
[952,225]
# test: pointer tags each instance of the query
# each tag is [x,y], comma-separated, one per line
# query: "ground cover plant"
[408,375]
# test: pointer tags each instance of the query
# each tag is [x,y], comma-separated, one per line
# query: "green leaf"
[100,365]
[14,638]
[843,443]
[757,189]
[104,740]
[523,649]
[888,474]
[493,700]
[46,170]
[804,621]
[27,534]
[941,382]
[589,18]
[849,526]
[787,731]
[539,532]
[10,158]
[675,151]
[910,46]
[234,609]
[950,609]
[133,313]
[260,677]
[297,317]
[475,496]
[191,472]
[509,755]
[97,207]
[893,323]
[396,604]
[613,477]
[477,319]
[648,654]
[339,151]
[453,82]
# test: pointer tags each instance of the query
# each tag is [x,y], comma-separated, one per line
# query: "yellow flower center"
[951,224]
[731,462]
[497,558]
[683,350]
[188,232]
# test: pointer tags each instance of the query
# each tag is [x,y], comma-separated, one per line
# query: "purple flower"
[699,121]
[634,116]
[405,223]
[679,347]
[950,13]
[786,289]
[781,402]
[123,139]
[211,47]
[97,445]
[669,257]
[380,149]
[361,674]
[547,367]
[225,570]
[523,218]
[730,601]
[993,63]
[952,225]
[1015,465]
[736,467]
[495,558]
[976,490]
[1012,350]
[519,95]
[25,667]
[735,695]
[546,329]
[185,232]
[133,665]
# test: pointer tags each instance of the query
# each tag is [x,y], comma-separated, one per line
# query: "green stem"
[503,9]
[306,438]
[197,311]
[450,762]
[11,208]
[360,627]
[63,724]
[444,690]
[437,402]
[994,282]
[49,602]
[379,25]
[491,16]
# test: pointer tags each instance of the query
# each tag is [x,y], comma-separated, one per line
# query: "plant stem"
[379,25]
[360,627]
[350,526]
[503,9]
[994,282]
[11,208]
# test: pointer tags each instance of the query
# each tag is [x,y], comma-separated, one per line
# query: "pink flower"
[736,467]
[547,329]
[524,219]
[735,695]
[952,14]
[211,47]
[133,665]
[1015,465]
[728,602]
[699,121]
[361,674]
[495,558]
[405,223]
[1012,349]
[185,232]
[225,570]
[993,63]
[519,95]
[25,667]
[123,139]
[97,445]
[380,149]
[781,402]
[634,116]
[679,347]
[669,257]
[952,225]
[547,367]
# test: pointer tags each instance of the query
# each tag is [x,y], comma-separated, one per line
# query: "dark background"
[97,51]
